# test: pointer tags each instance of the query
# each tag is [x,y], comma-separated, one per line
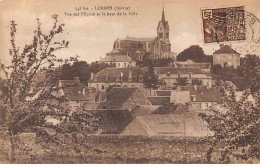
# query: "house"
[76,93]
[123,77]
[122,98]
[152,47]
[112,121]
[120,61]
[203,98]
[205,67]
[170,76]
[226,57]
[179,124]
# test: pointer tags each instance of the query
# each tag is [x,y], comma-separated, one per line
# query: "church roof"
[137,39]
[115,51]
[122,58]
[163,22]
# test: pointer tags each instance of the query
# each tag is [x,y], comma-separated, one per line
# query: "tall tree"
[251,69]
[79,69]
[151,79]
[194,53]
[25,106]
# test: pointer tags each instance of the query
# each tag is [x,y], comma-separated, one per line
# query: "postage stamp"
[224,24]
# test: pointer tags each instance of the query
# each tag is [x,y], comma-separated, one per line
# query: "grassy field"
[116,149]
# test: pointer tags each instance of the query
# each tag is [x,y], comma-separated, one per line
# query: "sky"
[93,36]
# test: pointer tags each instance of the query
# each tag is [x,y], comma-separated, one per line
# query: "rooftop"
[143,110]
[203,94]
[226,50]
[119,75]
[182,70]
[159,100]
[194,65]
[118,96]
[169,125]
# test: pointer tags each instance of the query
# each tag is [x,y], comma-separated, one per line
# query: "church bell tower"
[163,29]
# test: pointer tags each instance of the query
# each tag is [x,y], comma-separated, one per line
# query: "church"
[139,49]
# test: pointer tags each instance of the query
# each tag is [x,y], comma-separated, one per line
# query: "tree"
[236,131]
[251,69]
[194,53]
[151,79]
[82,70]
[79,69]
[163,62]
[183,81]
[216,69]
[25,106]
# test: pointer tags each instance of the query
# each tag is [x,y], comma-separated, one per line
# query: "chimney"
[92,76]
[76,79]
[130,76]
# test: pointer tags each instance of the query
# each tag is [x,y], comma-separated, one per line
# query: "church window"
[160,28]
[140,57]
[160,35]
[125,64]
[167,35]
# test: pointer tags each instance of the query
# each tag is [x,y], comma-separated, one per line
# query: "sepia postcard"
[129,82]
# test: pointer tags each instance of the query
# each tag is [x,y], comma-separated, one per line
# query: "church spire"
[163,17]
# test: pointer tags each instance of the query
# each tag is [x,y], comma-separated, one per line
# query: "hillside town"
[185,88]
[140,103]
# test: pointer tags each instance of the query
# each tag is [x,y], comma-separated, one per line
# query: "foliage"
[183,81]
[251,70]
[216,69]
[194,53]
[25,103]
[236,130]
[156,62]
[77,69]
[82,70]
[225,73]
[96,67]
[151,79]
